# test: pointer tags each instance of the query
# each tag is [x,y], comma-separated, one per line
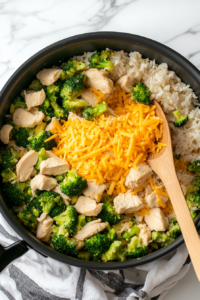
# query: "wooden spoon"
[162,164]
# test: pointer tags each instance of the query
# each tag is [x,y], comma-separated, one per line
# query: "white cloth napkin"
[34,277]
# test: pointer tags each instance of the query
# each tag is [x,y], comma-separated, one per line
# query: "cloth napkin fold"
[34,277]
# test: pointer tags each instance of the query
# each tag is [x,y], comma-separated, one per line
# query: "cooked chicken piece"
[144,234]
[33,98]
[126,83]
[97,79]
[73,116]
[50,154]
[87,206]
[13,144]
[54,166]
[89,97]
[93,189]
[80,245]
[136,179]
[24,118]
[148,191]
[48,76]
[42,182]
[157,220]
[51,127]
[125,227]
[44,229]
[42,217]
[34,172]
[65,198]
[127,203]
[152,199]
[90,229]
[24,167]
[5,133]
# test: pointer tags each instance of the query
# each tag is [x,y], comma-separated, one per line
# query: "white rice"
[168,89]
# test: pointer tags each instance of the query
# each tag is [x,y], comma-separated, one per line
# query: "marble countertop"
[28,26]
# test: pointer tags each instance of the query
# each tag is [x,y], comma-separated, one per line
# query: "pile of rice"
[166,87]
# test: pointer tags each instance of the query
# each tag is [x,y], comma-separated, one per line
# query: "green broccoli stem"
[39,128]
[42,155]
[58,111]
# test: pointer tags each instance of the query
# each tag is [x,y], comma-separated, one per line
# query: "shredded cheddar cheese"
[160,202]
[103,151]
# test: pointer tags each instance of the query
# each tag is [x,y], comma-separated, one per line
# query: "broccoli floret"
[28,193]
[42,155]
[109,213]
[35,203]
[8,175]
[57,210]
[114,253]
[72,88]
[8,158]
[38,141]
[81,222]
[174,228]
[36,85]
[85,255]
[99,60]
[127,235]
[74,184]
[60,178]
[52,91]
[180,119]
[90,113]
[29,217]
[135,248]
[61,243]
[14,193]
[69,219]
[194,167]
[99,243]
[17,103]
[21,136]
[141,94]
[48,200]
[74,105]
[193,199]
[194,213]
[88,219]
[161,238]
[72,68]
[47,109]
[58,111]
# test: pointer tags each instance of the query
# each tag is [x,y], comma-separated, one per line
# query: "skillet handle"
[10,253]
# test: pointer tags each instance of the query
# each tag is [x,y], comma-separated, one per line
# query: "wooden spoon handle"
[184,218]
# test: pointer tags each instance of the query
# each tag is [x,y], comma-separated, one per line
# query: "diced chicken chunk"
[152,199]
[33,98]
[90,229]
[144,234]
[89,97]
[126,83]
[42,182]
[24,167]
[24,118]
[136,179]
[97,79]
[54,166]
[5,133]
[157,220]
[65,198]
[44,229]
[73,116]
[51,127]
[42,217]
[94,189]
[127,203]
[48,76]
[87,206]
